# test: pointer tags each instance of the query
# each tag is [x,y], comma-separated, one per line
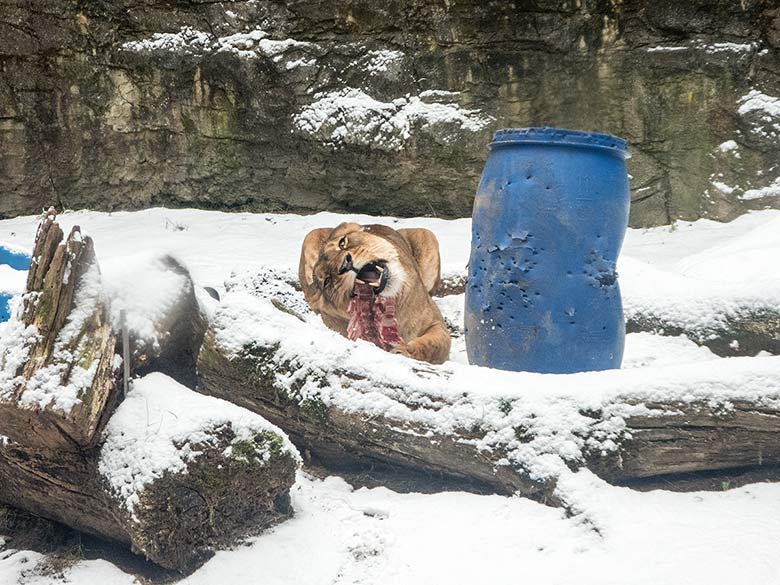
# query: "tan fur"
[412,255]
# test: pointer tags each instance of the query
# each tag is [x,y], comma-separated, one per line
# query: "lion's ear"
[310,252]
[425,249]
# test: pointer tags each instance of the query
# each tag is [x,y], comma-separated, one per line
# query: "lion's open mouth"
[374,274]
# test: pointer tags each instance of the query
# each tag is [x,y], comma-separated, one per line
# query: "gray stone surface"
[413,90]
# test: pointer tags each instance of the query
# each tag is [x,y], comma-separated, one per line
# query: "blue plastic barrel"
[17,261]
[549,218]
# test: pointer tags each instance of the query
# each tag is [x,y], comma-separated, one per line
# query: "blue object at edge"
[5,314]
[17,261]
[549,219]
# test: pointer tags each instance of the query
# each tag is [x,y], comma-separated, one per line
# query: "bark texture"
[182,517]
[669,440]
[59,356]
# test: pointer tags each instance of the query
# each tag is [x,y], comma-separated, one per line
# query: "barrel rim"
[559,136]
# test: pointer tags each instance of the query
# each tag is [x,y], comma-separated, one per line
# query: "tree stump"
[63,391]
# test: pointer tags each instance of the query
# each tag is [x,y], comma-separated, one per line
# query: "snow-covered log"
[154,297]
[747,330]
[57,355]
[351,404]
[178,474]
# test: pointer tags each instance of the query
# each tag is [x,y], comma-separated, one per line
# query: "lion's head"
[354,255]
[374,283]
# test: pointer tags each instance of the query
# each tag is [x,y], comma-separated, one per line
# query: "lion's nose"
[346,265]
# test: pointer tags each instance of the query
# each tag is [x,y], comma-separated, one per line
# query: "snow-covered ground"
[691,271]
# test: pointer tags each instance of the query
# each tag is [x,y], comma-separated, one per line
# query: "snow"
[351,116]
[771,190]
[12,281]
[666,271]
[723,187]
[728,146]
[190,41]
[693,272]
[147,288]
[730,47]
[379,537]
[754,100]
[762,112]
[711,48]
[15,342]
[666,49]
[158,429]
[442,400]
[380,61]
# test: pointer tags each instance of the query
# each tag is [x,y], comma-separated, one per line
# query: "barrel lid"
[547,135]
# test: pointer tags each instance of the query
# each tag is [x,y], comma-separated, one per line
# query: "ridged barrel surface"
[549,219]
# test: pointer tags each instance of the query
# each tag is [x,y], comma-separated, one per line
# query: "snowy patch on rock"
[763,111]
[729,47]
[352,117]
[159,428]
[771,190]
[754,100]
[379,61]
[723,187]
[666,49]
[189,41]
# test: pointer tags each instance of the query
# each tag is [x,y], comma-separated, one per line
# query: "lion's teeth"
[360,281]
[379,268]
[374,284]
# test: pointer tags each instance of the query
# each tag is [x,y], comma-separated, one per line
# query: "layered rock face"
[379,107]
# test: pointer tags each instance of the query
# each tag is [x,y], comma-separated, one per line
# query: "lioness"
[373,282]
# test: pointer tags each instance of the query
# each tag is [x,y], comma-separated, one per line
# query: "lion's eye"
[326,282]
[343,242]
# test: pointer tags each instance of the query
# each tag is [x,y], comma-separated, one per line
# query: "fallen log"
[57,366]
[350,404]
[177,476]
[747,331]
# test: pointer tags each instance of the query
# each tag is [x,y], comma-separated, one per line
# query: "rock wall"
[381,107]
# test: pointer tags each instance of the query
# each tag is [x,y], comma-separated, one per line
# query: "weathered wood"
[684,438]
[344,441]
[747,332]
[70,349]
[232,488]
[61,459]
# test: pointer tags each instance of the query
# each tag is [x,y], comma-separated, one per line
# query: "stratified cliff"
[382,107]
